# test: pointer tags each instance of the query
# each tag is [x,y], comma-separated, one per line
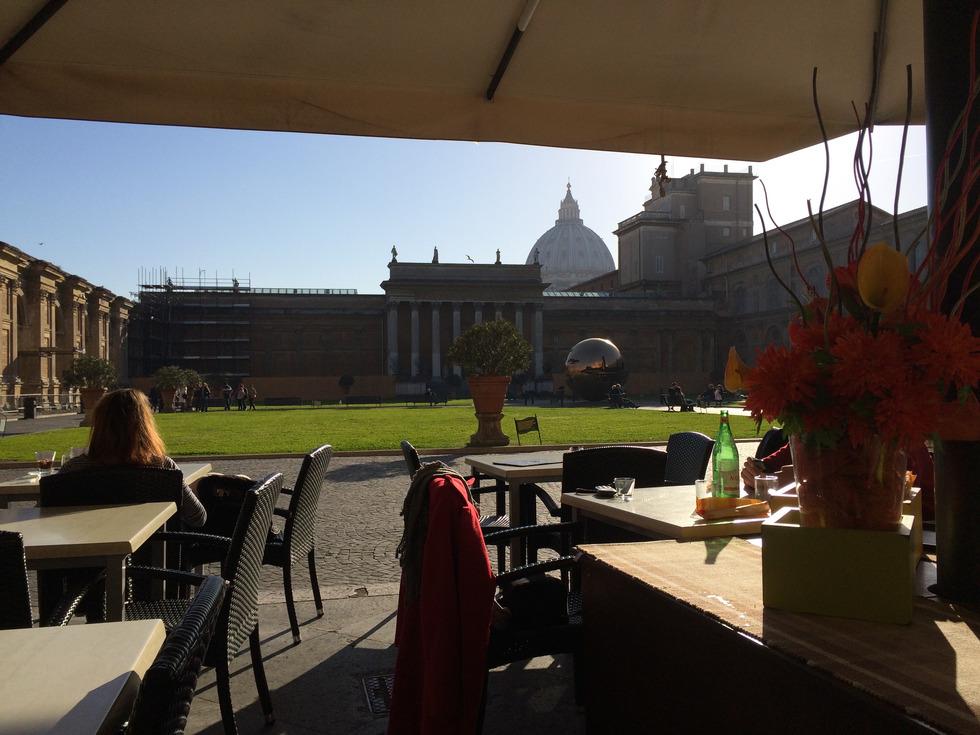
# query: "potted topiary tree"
[490,353]
[92,376]
[169,379]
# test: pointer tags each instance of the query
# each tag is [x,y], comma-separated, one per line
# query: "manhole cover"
[377,689]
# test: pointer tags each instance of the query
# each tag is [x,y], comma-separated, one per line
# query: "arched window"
[738,299]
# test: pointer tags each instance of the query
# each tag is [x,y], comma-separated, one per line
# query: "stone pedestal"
[488,433]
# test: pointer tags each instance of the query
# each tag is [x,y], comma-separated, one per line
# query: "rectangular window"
[726,231]
[726,203]
[681,211]
[659,263]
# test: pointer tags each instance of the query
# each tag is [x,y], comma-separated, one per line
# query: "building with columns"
[692,280]
[48,318]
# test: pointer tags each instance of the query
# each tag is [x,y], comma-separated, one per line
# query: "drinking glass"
[624,486]
[765,484]
[702,491]
[45,461]
[76,452]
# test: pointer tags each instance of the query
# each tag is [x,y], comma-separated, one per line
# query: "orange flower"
[867,363]
[947,351]
[780,378]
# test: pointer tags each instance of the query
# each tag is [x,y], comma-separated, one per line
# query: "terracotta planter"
[846,487]
[167,396]
[488,392]
[90,396]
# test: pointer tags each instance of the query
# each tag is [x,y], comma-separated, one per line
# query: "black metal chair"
[15,591]
[296,539]
[688,453]
[105,486]
[165,695]
[242,568]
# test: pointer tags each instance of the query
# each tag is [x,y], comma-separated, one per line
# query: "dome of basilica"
[570,252]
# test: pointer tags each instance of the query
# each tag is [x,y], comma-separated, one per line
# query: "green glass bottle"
[725,479]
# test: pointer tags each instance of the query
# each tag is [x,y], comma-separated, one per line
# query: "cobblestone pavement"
[358,522]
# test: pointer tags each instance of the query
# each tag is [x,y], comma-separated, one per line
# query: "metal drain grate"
[377,689]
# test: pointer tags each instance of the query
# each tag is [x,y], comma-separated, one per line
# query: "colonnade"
[481,310]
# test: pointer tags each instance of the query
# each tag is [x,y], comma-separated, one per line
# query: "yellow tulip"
[883,277]
[735,371]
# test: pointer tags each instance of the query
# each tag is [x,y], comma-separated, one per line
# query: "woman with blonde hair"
[124,432]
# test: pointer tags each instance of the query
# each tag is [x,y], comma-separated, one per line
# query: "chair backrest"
[412,459]
[526,426]
[15,595]
[111,486]
[595,466]
[301,522]
[242,566]
[688,453]
[165,696]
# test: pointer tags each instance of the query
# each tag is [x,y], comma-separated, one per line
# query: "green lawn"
[298,430]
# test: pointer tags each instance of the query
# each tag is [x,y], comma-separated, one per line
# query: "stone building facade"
[692,280]
[48,318]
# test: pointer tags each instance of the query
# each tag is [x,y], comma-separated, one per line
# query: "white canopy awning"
[685,77]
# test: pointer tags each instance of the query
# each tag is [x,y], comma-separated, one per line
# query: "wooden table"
[74,679]
[658,512]
[88,536]
[27,487]
[677,640]
[518,469]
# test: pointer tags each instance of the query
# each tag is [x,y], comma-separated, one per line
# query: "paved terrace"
[317,686]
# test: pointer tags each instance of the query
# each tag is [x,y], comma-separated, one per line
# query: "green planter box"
[868,575]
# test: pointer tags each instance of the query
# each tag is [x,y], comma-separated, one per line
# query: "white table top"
[73,679]
[85,531]
[666,511]
[27,485]
[533,466]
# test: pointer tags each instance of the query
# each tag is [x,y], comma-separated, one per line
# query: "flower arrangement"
[885,353]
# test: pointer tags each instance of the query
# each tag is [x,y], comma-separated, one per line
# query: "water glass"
[765,484]
[45,460]
[702,491]
[624,486]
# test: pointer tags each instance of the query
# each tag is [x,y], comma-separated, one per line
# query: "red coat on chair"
[442,635]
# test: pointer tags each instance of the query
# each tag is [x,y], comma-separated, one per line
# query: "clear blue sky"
[318,211]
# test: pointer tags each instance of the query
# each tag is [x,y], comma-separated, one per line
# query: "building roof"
[570,252]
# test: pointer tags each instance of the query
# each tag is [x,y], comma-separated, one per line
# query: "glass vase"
[849,487]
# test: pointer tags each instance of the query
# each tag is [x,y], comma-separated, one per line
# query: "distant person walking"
[226,394]
[156,399]
[252,395]
[205,396]
[240,395]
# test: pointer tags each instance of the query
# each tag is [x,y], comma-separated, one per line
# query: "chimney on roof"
[726,168]
[750,169]
[702,168]
[692,172]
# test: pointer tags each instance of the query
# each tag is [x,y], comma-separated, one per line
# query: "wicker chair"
[15,592]
[509,645]
[164,698]
[688,453]
[242,567]
[109,486]
[296,540]
[594,466]
[498,521]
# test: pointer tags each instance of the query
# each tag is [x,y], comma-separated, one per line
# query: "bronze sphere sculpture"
[592,367]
